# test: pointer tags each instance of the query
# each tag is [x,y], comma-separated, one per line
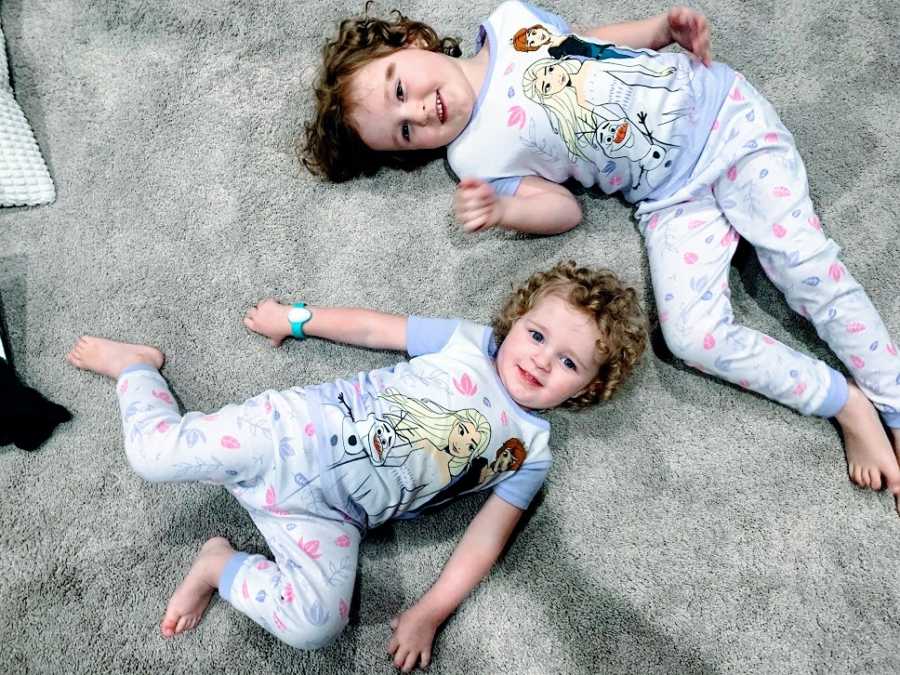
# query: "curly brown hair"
[329,145]
[603,297]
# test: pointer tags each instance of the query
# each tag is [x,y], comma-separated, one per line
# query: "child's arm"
[360,327]
[685,26]
[482,544]
[538,207]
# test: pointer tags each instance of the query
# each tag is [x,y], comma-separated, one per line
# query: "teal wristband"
[298,315]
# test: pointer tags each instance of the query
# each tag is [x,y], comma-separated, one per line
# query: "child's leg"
[302,598]
[234,444]
[765,196]
[690,246]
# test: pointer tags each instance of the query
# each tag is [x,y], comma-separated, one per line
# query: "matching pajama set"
[707,161]
[315,467]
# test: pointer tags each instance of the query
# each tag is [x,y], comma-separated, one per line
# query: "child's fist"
[476,205]
[690,29]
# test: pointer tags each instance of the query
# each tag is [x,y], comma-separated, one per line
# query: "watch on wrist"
[298,315]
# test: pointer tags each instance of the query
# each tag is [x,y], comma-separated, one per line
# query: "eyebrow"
[578,358]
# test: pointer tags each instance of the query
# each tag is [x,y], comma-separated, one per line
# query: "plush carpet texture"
[686,526]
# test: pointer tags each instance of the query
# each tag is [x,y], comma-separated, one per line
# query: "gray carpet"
[686,526]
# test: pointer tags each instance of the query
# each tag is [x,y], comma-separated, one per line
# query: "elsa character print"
[562,88]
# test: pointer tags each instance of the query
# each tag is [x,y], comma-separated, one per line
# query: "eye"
[399,90]
[569,363]
[550,69]
[537,336]
[462,430]
[404,131]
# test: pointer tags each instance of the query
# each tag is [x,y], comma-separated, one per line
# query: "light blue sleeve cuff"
[425,335]
[506,186]
[234,564]
[837,395]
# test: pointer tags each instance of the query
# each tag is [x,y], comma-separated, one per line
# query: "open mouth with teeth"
[529,379]
[440,107]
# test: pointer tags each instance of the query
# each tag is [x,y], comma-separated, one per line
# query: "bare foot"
[269,318]
[190,599]
[109,357]
[868,449]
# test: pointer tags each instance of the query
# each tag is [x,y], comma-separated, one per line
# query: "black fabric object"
[27,417]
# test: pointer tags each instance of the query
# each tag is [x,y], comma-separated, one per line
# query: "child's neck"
[475,68]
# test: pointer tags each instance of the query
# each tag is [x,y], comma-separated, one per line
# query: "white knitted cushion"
[24,179]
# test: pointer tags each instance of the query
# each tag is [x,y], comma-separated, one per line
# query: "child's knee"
[687,342]
[307,635]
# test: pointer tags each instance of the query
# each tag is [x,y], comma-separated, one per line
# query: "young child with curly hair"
[691,143]
[317,466]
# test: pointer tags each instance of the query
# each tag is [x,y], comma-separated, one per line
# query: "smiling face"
[549,355]
[413,99]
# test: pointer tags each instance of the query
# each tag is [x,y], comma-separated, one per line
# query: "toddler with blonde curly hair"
[316,466]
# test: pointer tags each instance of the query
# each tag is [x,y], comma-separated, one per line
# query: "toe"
[181,626]
[875,479]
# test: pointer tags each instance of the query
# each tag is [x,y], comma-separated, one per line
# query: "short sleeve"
[425,335]
[506,186]
[520,488]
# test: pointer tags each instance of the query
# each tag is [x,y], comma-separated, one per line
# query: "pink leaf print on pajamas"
[516,117]
[343,541]
[343,608]
[836,271]
[781,191]
[123,387]
[310,548]
[271,501]
[163,396]
[465,386]
[709,342]
[892,350]
[230,442]
[278,622]
[288,593]
[857,362]
[855,327]
[815,223]
[690,258]
[245,591]
[778,230]
[736,95]
[162,427]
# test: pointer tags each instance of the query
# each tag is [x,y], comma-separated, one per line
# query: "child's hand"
[413,635]
[476,205]
[269,318]
[690,29]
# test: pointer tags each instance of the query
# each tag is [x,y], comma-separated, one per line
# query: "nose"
[417,112]
[541,359]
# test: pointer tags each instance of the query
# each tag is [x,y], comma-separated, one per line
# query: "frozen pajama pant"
[750,182]
[264,452]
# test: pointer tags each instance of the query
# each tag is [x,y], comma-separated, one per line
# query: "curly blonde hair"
[601,295]
[330,146]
